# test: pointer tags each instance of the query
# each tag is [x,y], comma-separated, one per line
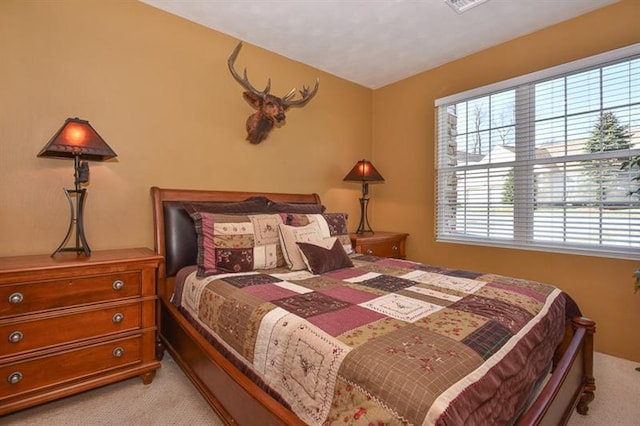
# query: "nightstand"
[383,244]
[72,323]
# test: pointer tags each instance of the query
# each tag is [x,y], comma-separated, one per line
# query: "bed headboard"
[174,232]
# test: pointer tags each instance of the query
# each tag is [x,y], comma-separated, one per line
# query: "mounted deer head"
[270,108]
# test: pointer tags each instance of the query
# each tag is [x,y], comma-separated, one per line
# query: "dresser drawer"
[38,373]
[37,296]
[21,336]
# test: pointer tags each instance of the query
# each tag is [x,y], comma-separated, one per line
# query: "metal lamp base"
[363,227]
[76,221]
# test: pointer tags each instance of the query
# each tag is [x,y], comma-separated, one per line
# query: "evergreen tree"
[507,188]
[607,135]
[634,163]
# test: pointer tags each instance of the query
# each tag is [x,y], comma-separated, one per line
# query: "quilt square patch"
[349,294]
[398,263]
[302,362]
[349,274]
[410,358]
[242,281]
[488,339]
[510,316]
[361,335]
[269,291]
[463,274]
[318,282]
[234,259]
[401,307]
[512,296]
[310,304]
[387,283]
[461,286]
[383,268]
[340,321]
[452,323]
[430,268]
[366,258]
[538,288]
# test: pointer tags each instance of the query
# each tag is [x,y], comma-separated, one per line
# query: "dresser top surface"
[69,260]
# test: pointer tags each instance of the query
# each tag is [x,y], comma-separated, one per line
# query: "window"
[536,162]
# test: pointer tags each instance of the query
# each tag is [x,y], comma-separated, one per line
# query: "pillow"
[324,256]
[256,204]
[275,207]
[237,243]
[331,225]
[290,235]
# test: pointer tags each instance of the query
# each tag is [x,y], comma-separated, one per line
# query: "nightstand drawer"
[38,333]
[37,296]
[382,244]
[383,249]
[38,373]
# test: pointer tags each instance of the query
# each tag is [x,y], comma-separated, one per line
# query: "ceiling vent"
[464,5]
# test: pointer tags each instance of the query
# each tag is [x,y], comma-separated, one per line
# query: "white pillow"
[325,232]
[290,235]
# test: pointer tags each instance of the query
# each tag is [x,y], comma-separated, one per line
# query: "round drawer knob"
[14,378]
[394,248]
[118,352]
[16,298]
[118,285]
[117,318]
[15,337]
[369,252]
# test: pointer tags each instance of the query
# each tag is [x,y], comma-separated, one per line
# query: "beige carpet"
[172,400]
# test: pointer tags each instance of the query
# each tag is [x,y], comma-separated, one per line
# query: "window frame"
[522,212]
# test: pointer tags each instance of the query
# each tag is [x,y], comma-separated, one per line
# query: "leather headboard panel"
[181,241]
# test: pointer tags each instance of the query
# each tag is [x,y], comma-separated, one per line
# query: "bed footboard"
[572,384]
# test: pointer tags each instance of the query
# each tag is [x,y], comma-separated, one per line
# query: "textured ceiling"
[375,42]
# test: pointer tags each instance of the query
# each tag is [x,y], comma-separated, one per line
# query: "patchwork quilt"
[387,341]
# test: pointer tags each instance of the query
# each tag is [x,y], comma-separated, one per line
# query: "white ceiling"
[375,42]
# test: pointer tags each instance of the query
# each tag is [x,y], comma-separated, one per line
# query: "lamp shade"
[364,171]
[76,138]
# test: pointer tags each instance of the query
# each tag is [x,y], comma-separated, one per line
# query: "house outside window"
[536,162]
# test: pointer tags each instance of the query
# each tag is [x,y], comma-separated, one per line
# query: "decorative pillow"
[251,205]
[290,235]
[237,243]
[331,225]
[325,256]
[275,207]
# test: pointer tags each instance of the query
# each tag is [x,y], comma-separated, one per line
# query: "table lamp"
[78,140]
[364,172]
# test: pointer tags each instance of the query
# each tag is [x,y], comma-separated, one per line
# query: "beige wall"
[404,147]
[158,90]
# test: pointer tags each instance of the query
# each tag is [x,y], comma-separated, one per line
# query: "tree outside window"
[607,135]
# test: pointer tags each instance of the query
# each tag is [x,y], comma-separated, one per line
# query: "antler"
[244,82]
[306,96]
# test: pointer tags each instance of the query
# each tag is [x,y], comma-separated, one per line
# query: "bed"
[267,372]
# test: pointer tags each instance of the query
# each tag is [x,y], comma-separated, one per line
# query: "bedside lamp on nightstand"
[78,140]
[364,172]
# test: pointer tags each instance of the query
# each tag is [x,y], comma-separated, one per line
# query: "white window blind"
[536,162]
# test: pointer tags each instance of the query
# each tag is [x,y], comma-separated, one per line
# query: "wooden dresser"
[383,244]
[72,323]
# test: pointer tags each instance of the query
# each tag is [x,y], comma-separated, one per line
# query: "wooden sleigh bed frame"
[238,400]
